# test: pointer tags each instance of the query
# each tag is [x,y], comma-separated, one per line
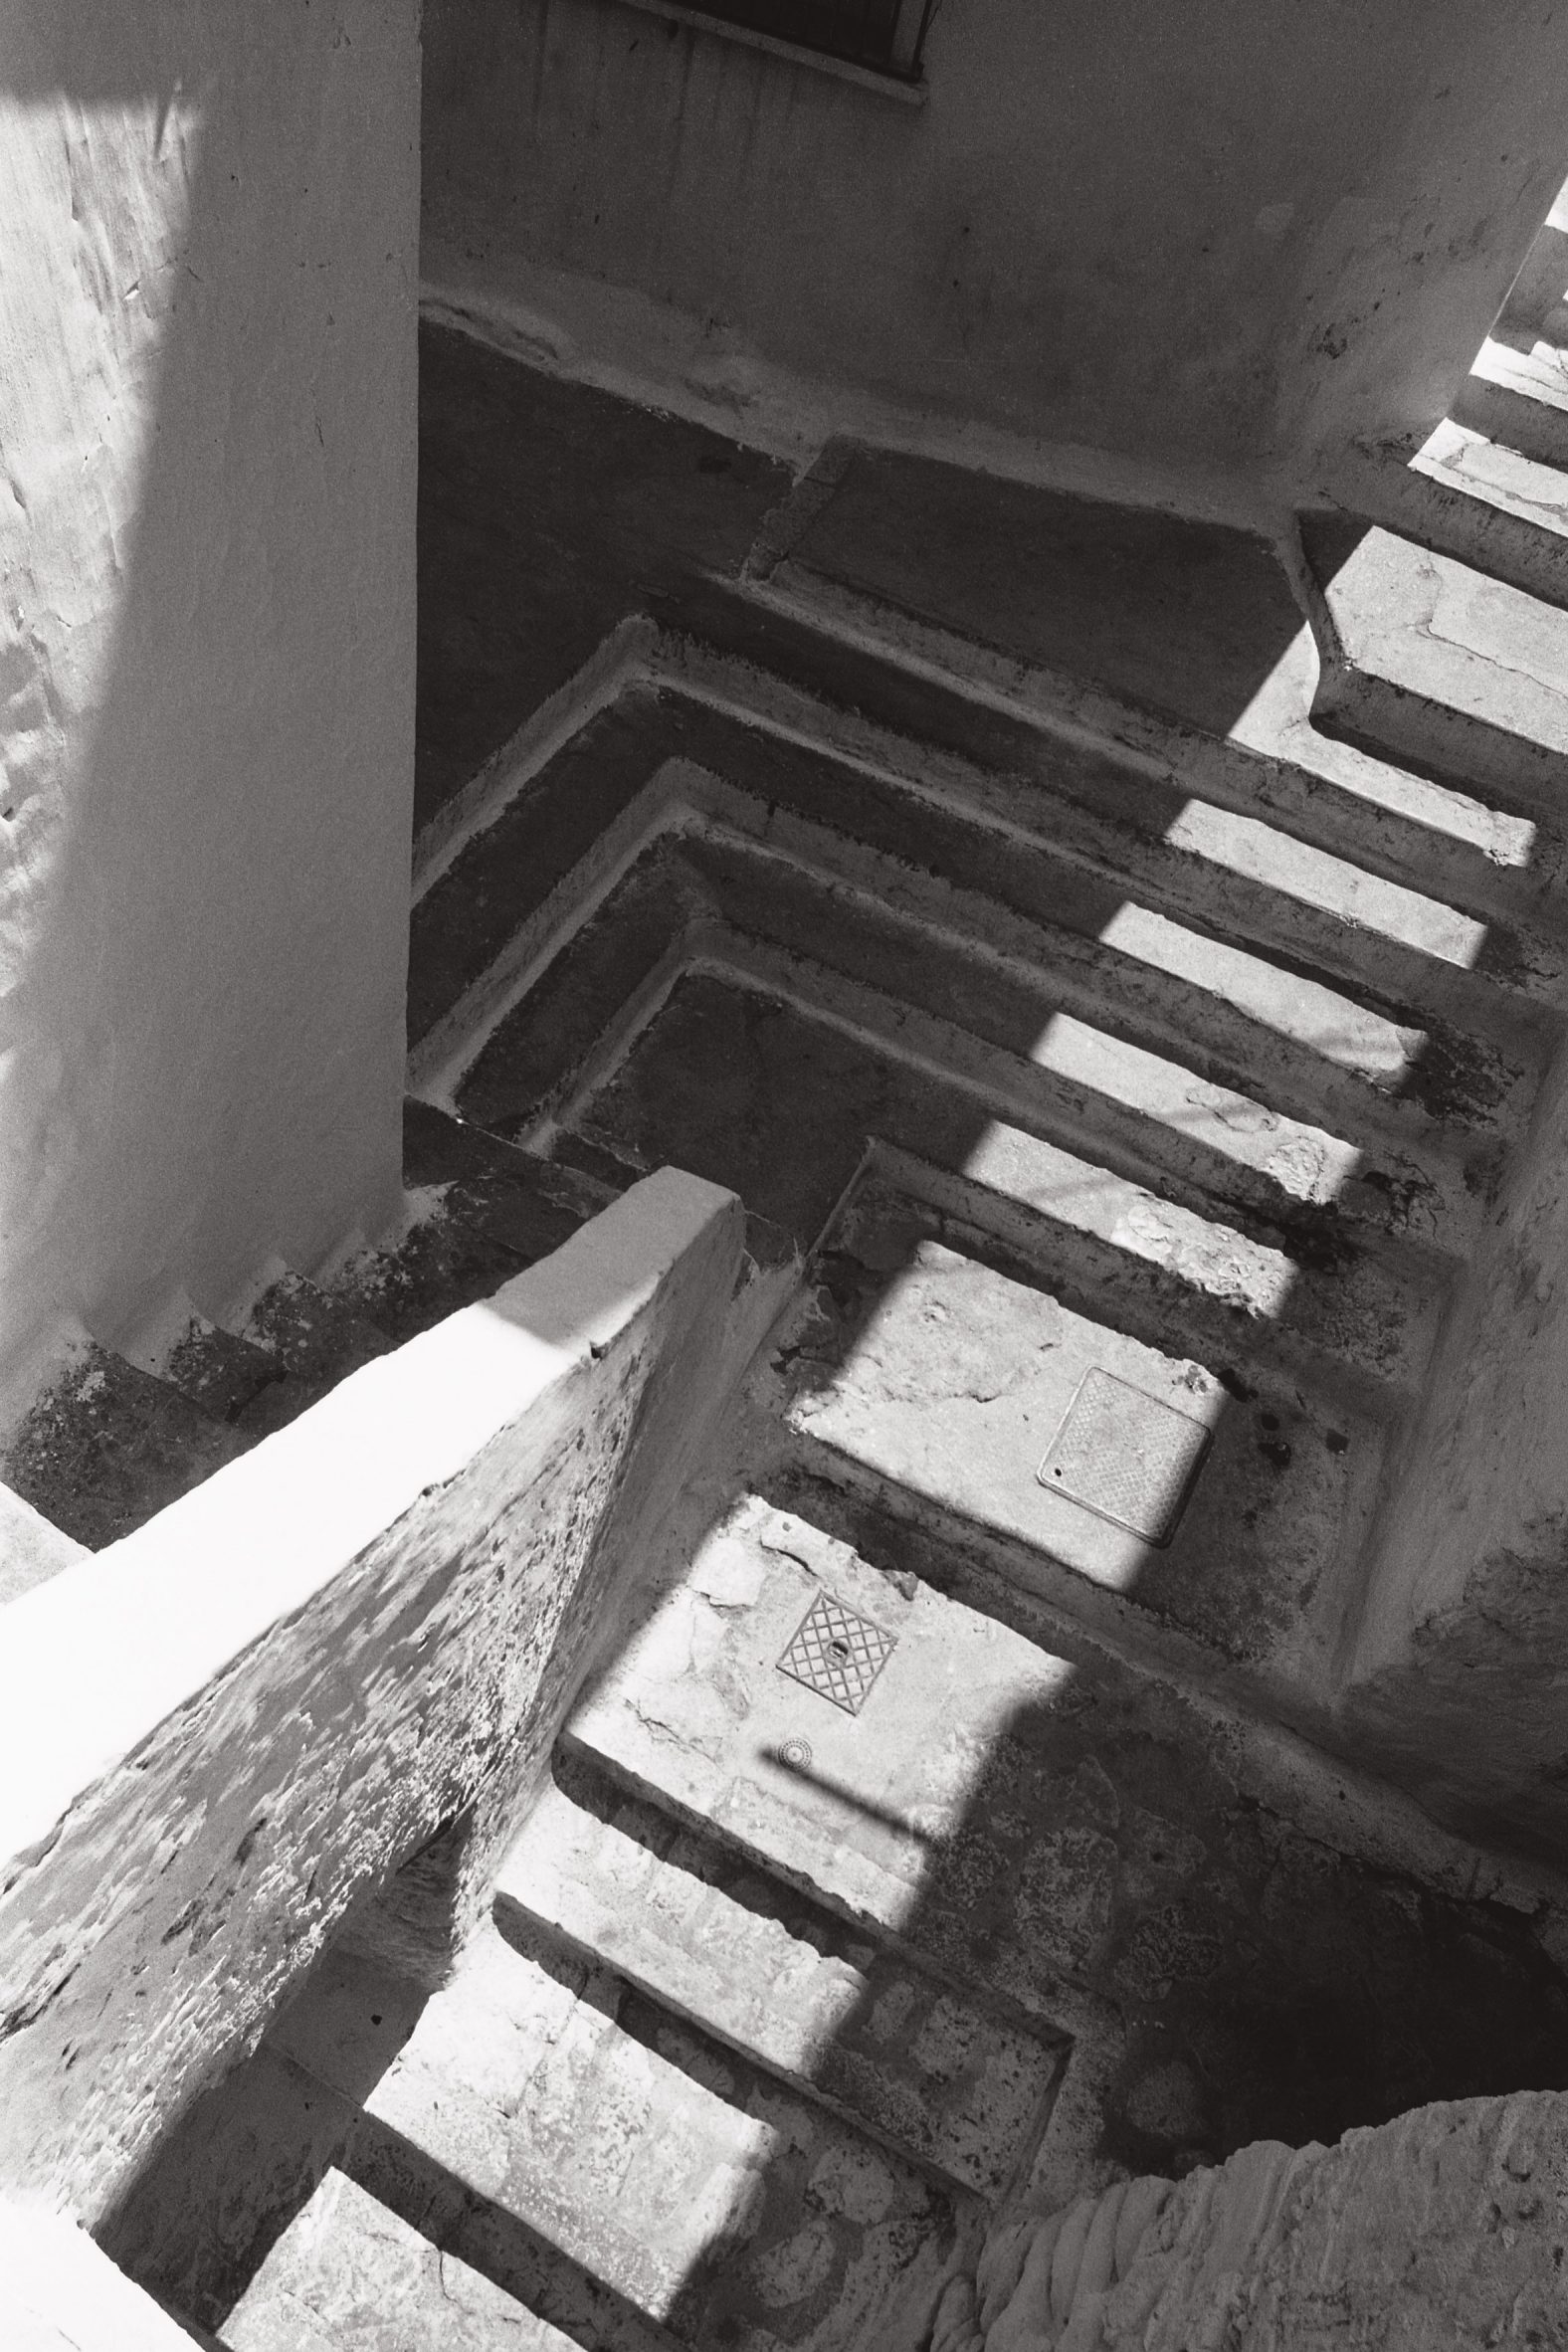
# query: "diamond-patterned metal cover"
[836,1653]
[1126,1456]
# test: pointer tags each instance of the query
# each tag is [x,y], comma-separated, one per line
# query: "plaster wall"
[221,1734]
[1211,236]
[208,220]
[1438,2232]
[1458,1674]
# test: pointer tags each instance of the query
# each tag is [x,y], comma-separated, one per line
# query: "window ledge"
[886,84]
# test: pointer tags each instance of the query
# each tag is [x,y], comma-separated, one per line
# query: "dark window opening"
[885,35]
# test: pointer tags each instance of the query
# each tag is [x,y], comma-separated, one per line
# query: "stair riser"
[1467,868]
[1150,1302]
[1532,427]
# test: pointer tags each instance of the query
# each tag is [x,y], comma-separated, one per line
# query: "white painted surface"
[219,1732]
[1198,236]
[207,384]
[59,2293]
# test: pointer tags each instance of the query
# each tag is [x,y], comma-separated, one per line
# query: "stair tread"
[777,1098]
[880,2041]
[1478,459]
[793,645]
[317,1337]
[106,1446]
[1476,662]
[650,2157]
[1097,1027]
[1517,399]
[1222,1156]
[1036,851]
[1048,1823]
[1234,1127]
[219,1370]
[1181,615]
[1118,600]
[920,1368]
[347,2270]
[1116,813]
[313,1332]
[1164,986]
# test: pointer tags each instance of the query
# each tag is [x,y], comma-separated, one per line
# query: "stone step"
[1481,525]
[1117,1478]
[857,667]
[277,2212]
[219,1371]
[1461,672]
[349,2270]
[1125,1050]
[1098,619]
[1102,1112]
[555,2107]
[1223,1104]
[1519,400]
[1121,858]
[317,1336]
[1514,483]
[730,1950]
[106,1445]
[484,1211]
[1535,305]
[1071,1839]
[1103,819]
[1350,834]
[1165,980]
[774,1079]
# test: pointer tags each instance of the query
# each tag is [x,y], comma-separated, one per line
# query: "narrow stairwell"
[1113,960]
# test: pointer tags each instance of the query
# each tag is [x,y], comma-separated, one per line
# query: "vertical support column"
[208,271]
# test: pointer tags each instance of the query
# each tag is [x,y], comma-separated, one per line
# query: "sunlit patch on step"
[1306,1162]
[1497,475]
[1229,1265]
[1350,1035]
[932,1382]
[1126,1456]
[1258,854]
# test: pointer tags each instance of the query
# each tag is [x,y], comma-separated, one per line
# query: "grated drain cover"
[836,1653]
[1126,1456]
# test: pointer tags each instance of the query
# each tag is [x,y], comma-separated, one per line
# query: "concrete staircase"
[1114,957]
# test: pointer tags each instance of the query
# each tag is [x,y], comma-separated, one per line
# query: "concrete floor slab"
[939,1376]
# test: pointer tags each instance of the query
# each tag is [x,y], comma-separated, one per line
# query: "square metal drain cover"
[1126,1456]
[836,1653]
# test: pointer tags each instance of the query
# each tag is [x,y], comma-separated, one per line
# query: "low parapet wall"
[217,1733]
[1444,2230]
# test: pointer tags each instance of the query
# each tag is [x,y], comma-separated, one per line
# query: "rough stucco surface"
[208,225]
[1460,1673]
[1207,234]
[148,1933]
[1442,2231]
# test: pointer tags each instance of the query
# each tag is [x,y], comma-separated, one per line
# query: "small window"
[885,35]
